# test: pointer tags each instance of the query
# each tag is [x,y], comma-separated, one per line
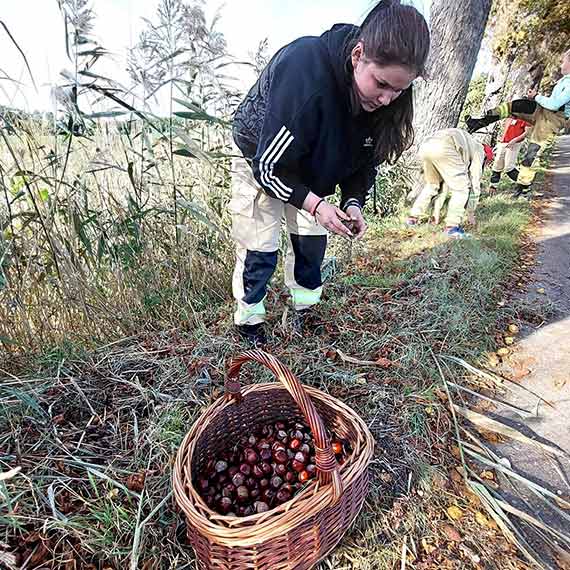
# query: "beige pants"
[545,123]
[506,158]
[256,228]
[445,175]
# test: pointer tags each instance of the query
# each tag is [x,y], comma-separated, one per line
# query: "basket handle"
[327,466]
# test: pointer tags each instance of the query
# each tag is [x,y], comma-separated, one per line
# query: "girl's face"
[565,67]
[378,85]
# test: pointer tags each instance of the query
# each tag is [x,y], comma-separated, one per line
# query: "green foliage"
[475,97]
[390,188]
[532,32]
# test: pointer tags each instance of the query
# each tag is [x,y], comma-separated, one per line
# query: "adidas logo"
[368,141]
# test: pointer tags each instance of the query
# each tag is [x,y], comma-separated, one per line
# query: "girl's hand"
[359,226]
[331,218]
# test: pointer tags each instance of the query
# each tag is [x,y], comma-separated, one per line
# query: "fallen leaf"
[70,563]
[451,533]
[40,555]
[519,373]
[560,382]
[513,329]
[386,477]
[427,547]
[503,351]
[481,519]
[541,291]
[456,476]
[509,340]
[454,512]
[135,482]
[493,360]
[381,361]
[384,362]
[489,475]
[331,354]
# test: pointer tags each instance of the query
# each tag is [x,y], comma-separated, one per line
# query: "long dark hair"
[393,34]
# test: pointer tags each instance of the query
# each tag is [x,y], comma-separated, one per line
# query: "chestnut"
[294,444]
[304,476]
[290,476]
[298,466]
[296,434]
[251,456]
[276,482]
[238,479]
[233,470]
[225,504]
[280,469]
[280,456]
[242,494]
[265,455]
[282,496]
[300,457]
[260,507]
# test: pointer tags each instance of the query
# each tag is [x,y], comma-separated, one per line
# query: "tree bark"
[456,33]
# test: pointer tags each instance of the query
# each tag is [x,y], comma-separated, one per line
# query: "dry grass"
[95,432]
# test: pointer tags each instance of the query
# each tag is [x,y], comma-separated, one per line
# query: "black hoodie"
[300,128]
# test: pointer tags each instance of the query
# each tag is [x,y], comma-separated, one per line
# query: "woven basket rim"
[245,531]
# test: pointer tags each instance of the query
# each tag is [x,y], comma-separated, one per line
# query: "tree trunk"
[457,31]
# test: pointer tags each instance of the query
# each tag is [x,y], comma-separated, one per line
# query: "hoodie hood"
[338,41]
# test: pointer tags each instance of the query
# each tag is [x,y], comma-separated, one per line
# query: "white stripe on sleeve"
[268,161]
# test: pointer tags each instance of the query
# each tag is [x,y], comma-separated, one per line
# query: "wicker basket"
[302,531]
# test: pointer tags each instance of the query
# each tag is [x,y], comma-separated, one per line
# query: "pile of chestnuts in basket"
[263,471]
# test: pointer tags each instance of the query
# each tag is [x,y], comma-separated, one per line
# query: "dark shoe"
[307,321]
[474,124]
[495,177]
[253,334]
[522,191]
[513,174]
